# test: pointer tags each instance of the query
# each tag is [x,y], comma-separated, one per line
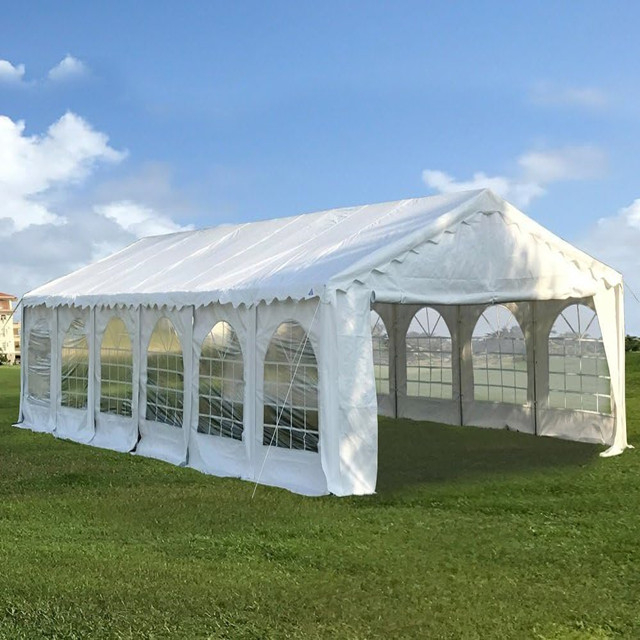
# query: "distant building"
[7,330]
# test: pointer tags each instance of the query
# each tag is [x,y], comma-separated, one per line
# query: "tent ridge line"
[435,239]
[457,216]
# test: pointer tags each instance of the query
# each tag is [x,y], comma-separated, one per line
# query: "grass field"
[473,534]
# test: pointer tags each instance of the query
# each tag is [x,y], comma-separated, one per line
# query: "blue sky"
[197,113]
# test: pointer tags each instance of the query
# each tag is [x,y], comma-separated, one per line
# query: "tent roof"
[297,257]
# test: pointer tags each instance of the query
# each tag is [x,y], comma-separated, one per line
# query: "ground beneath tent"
[413,453]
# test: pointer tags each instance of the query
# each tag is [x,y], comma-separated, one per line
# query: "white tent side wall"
[301,471]
[112,430]
[346,462]
[39,324]
[356,422]
[75,423]
[216,454]
[23,372]
[581,426]
[167,442]
[339,333]
[609,304]
[535,416]
[387,402]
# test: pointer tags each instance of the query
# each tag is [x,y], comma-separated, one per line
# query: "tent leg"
[460,360]
[534,331]
[140,381]
[394,333]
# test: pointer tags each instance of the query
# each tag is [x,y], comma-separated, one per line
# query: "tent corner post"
[460,360]
[534,355]
[394,333]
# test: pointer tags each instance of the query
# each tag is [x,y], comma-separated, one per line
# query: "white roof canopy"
[470,246]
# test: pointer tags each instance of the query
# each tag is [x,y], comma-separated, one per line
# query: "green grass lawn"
[473,534]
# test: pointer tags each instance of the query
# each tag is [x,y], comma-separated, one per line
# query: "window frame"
[70,359]
[45,399]
[177,374]
[275,433]
[235,430]
[118,401]
[484,371]
[581,393]
[428,337]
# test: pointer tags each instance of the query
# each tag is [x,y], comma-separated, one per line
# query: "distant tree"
[632,343]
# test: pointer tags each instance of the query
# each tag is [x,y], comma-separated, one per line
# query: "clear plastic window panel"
[165,375]
[578,371]
[116,370]
[380,340]
[291,390]
[499,358]
[74,377]
[429,357]
[221,383]
[39,364]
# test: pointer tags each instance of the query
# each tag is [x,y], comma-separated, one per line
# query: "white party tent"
[266,350]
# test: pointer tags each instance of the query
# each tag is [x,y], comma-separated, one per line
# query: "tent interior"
[265,351]
[535,367]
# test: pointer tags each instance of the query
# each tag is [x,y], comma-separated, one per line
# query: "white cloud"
[616,241]
[67,69]
[32,166]
[536,170]
[138,219]
[51,222]
[11,73]
[517,191]
[547,94]
[568,163]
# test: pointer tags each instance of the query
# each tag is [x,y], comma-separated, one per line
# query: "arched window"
[221,383]
[429,359]
[578,371]
[74,376]
[165,375]
[499,358]
[380,339]
[291,390]
[116,369]
[39,364]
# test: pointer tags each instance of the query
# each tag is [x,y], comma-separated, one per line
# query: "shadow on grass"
[413,453]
